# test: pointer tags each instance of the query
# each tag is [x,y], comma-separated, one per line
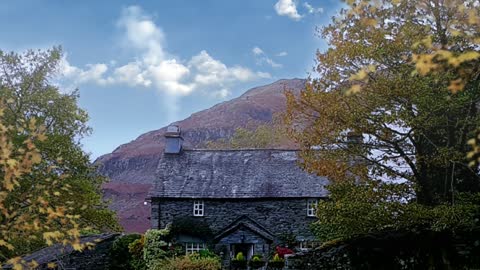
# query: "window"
[198,208]
[306,245]
[193,247]
[311,205]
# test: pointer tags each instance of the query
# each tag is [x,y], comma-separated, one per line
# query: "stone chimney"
[174,140]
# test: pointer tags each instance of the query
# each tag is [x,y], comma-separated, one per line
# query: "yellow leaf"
[51,265]
[456,86]
[12,162]
[5,244]
[354,89]
[424,63]
[444,54]
[359,76]
[8,184]
[77,246]
[36,158]
[33,264]
[468,56]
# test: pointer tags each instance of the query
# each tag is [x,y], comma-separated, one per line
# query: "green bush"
[375,207]
[206,253]
[240,257]
[256,262]
[276,262]
[189,262]
[155,246]
[136,251]
[239,262]
[120,256]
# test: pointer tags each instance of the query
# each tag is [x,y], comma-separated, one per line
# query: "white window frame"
[198,208]
[191,248]
[311,207]
[307,245]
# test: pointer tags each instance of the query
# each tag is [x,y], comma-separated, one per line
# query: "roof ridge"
[241,149]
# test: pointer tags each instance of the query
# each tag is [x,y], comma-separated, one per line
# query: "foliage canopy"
[50,191]
[389,115]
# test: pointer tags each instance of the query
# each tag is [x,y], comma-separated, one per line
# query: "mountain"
[131,167]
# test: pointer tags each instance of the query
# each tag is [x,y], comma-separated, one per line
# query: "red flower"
[282,251]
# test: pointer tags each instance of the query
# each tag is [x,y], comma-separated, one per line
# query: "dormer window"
[311,207]
[198,208]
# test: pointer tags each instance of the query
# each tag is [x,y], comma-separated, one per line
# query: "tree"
[30,97]
[396,97]
[30,208]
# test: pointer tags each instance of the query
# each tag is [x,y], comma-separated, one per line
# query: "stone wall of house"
[279,216]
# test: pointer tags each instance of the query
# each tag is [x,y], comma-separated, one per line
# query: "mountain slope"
[131,167]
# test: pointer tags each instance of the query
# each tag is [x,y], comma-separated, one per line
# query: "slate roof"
[245,221]
[247,173]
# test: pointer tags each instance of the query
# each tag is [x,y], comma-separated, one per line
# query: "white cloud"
[282,54]
[287,8]
[93,73]
[210,71]
[264,75]
[142,34]
[154,67]
[222,93]
[132,75]
[257,51]
[261,57]
[311,9]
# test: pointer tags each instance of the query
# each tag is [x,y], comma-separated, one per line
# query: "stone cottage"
[250,198]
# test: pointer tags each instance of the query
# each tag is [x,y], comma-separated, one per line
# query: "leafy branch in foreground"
[31,208]
[60,194]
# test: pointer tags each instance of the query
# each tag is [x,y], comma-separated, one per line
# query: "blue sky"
[140,65]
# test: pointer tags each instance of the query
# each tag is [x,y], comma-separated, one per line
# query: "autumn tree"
[403,76]
[31,209]
[31,97]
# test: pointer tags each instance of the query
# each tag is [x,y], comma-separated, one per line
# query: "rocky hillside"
[131,167]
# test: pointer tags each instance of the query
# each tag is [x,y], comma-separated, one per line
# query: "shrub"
[206,253]
[120,256]
[189,262]
[239,261]
[276,262]
[240,257]
[256,262]
[136,251]
[155,246]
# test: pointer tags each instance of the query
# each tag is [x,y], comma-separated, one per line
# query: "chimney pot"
[174,140]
